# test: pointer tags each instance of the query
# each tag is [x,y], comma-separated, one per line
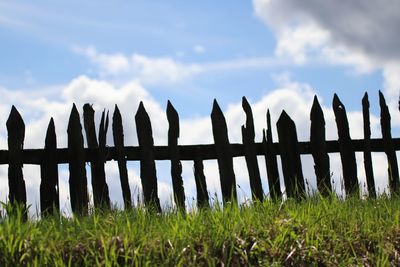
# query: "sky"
[278,54]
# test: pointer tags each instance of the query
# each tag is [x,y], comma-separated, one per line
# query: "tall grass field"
[312,232]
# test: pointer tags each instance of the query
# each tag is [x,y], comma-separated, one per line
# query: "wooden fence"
[288,147]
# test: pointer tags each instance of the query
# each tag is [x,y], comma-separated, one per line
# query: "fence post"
[77,172]
[290,157]
[200,179]
[16,134]
[176,166]
[347,154]
[369,173]
[49,190]
[147,164]
[101,197]
[271,162]
[393,170]
[318,149]
[224,154]
[118,135]
[248,135]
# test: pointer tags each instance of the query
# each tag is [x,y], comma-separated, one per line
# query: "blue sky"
[276,53]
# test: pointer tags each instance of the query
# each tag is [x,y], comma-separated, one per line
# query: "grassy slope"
[328,232]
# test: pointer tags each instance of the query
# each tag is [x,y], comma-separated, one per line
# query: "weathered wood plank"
[200,179]
[176,166]
[103,128]
[101,197]
[16,183]
[270,152]
[347,154]
[290,157]
[248,135]
[147,164]
[120,156]
[49,190]
[34,156]
[369,172]
[77,172]
[393,170]
[223,154]
[318,149]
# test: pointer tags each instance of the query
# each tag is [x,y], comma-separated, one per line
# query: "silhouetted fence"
[288,147]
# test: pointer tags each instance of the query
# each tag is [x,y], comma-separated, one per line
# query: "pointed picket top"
[316,112]
[173,120]
[365,105]
[103,128]
[117,128]
[269,130]
[284,118]
[384,107]
[143,117]
[220,129]
[74,120]
[341,118]
[216,110]
[365,101]
[249,118]
[141,112]
[51,140]
[89,125]
[15,124]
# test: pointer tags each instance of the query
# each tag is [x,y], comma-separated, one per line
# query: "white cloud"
[361,34]
[295,98]
[199,49]
[163,70]
[358,33]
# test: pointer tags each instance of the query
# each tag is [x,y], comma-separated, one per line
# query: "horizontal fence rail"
[207,151]
[97,153]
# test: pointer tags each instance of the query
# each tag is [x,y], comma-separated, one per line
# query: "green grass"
[315,231]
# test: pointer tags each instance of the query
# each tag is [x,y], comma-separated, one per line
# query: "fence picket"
[101,197]
[16,134]
[200,179]
[49,190]
[147,164]
[77,172]
[347,154]
[271,162]
[224,154]
[318,149]
[176,166]
[369,172]
[288,147]
[393,170]
[118,135]
[248,135]
[290,157]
